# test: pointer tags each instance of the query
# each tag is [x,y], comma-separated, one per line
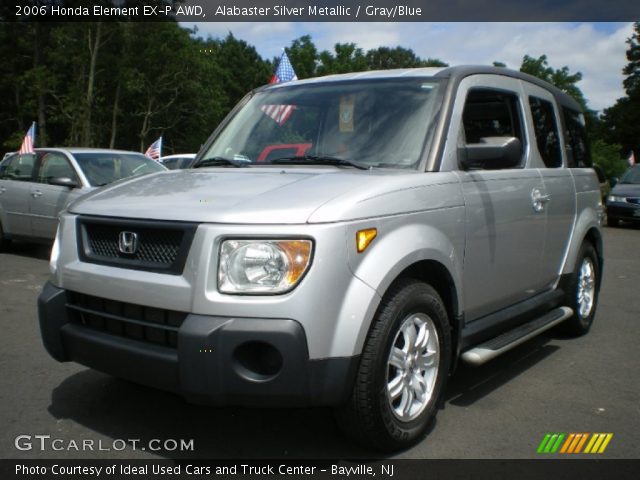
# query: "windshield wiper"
[219,162]
[319,160]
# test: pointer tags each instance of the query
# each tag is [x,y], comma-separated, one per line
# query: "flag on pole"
[631,159]
[155,149]
[284,73]
[29,140]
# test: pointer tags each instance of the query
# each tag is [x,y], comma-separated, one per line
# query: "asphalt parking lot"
[500,410]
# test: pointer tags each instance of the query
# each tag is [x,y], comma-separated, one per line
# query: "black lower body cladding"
[217,361]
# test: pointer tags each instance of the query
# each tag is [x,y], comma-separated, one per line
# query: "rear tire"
[583,291]
[403,369]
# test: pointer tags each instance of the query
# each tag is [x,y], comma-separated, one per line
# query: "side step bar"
[502,343]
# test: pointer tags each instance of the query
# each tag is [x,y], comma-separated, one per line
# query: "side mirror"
[613,181]
[492,153]
[63,182]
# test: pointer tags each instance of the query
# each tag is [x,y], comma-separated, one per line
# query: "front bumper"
[624,211]
[215,360]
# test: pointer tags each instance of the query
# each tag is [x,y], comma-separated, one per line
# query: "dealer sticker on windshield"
[346,113]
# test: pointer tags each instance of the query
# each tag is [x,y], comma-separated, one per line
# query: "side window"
[55,165]
[492,113]
[546,130]
[4,166]
[579,155]
[18,167]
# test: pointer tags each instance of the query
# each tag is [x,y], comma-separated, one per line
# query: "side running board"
[506,341]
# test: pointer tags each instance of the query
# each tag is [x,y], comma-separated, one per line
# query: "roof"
[456,74]
[85,150]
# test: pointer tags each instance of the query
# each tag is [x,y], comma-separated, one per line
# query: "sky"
[597,50]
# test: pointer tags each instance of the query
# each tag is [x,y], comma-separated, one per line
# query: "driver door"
[46,200]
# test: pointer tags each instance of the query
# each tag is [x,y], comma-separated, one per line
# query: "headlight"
[262,266]
[55,253]
[616,198]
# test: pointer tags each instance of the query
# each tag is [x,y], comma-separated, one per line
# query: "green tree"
[561,78]
[303,55]
[383,58]
[346,57]
[608,158]
[621,122]
[632,69]
[242,67]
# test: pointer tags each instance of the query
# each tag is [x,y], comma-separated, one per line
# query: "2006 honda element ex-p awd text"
[340,241]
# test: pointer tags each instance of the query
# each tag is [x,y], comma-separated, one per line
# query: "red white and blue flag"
[155,149]
[284,73]
[631,160]
[29,140]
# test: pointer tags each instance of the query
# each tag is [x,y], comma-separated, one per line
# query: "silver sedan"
[34,188]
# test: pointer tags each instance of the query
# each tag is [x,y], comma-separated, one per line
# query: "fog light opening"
[257,361]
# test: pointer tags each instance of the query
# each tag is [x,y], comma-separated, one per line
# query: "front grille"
[137,322]
[155,246]
[635,201]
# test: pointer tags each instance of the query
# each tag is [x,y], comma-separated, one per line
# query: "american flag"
[284,73]
[29,140]
[154,150]
[280,113]
[631,159]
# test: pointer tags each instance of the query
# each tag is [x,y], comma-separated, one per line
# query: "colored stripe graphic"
[573,443]
[598,442]
[550,443]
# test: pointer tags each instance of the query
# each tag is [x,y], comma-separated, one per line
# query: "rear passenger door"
[504,233]
[548,153]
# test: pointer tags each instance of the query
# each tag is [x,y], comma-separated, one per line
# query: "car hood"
[263,195]
[626,190]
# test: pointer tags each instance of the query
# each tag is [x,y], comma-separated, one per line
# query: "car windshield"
[362,124]
[631,176]
[102,168]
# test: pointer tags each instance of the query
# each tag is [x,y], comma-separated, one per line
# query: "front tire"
[583,291]
[403,369]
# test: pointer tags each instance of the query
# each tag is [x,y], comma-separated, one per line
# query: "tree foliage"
[122,85]
[561,78]
[608,157]
[621,122]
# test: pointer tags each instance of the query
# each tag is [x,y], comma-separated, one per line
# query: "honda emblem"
[128,243]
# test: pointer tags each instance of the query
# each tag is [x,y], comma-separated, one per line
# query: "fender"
[403,242]
[588,220]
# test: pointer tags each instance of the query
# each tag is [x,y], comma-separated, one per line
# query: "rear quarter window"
[578,155]
[546,130]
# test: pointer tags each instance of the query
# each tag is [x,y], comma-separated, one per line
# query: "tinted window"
[19,167]
[578,150]
[55,165]
[546,130]
[492,113]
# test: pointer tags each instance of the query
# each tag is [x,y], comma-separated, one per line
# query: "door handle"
[36,193]
[538,199]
